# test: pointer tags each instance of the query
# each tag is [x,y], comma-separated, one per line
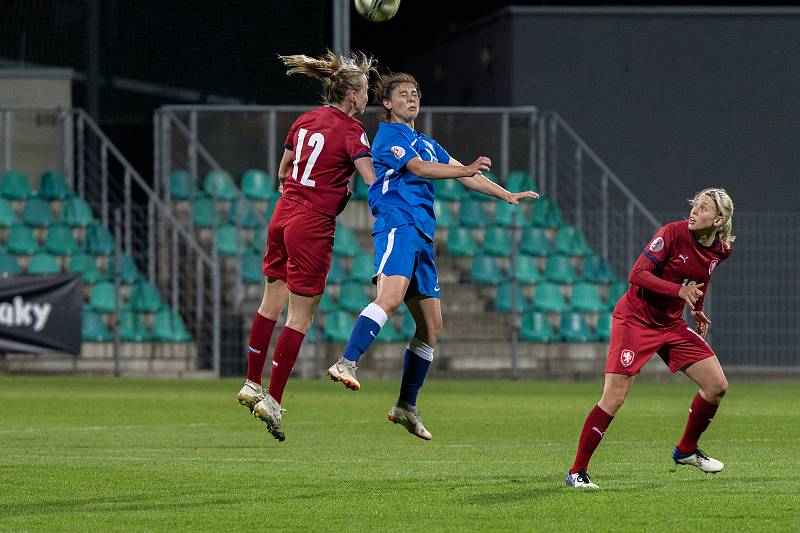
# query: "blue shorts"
[404,251]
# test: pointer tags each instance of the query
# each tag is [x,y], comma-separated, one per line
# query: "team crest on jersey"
[712,266]
[364,139]
[398,151]
[626,358]
[657,244]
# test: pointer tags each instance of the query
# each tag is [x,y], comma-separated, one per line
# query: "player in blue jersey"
[401,199]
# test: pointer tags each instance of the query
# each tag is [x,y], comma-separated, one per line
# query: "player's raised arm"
[479,182]
[432,170]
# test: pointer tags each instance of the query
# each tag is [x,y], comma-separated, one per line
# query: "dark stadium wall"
[673,100]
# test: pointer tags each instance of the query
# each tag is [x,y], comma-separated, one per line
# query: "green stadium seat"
[444,218]
[571,241]
[37,213]
[99,240]
[460,242]
[181,186]
[497,242]
[573,328]
[597,270]
[244,213]
[203,213]
[362,269]
[53,186]
[471,213]
[251,267]
[548,298]
[338,325]
[257,185]
[145,297]
[604,327]
[103,297]
[85,265]
[8,264]
[546,214]
[168,326]
[7,215]
[131,328]
[586,297]
[519,181]
[389,333]
[353,296]
[503,297]
[526,270]
[345,242]
[408,327]
[60,240]
[534,242]
[484,271]
[337,274]
[230,240]
[326,303]
[21,241]
[504,211]
[448,189]
[615,291]
[220,183]
[93,329]
[271,205]
[43,263]
[259,241]
[559,269]
[536,328]
[129,272]
[360,188]
[76,213]
[15,185]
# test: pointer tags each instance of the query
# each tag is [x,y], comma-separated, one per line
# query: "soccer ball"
[377,10]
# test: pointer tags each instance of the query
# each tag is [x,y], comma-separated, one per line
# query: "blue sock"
[367,327]
[416,362]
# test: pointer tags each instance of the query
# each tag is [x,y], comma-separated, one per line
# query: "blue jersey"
[398,197]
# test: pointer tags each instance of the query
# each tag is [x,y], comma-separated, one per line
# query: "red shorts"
[299,247]
[633,344]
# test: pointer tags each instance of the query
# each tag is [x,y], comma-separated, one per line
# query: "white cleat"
[250,394]
[408,417]
[269,411]
[344,370]
[580,480]
[699,459]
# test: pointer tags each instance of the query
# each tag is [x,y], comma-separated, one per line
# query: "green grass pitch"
[100,454]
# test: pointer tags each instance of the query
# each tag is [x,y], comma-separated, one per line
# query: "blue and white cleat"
[580,480]
[699,459]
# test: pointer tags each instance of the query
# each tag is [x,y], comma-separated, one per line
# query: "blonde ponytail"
[339,74]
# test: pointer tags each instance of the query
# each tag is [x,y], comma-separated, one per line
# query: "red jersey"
[325,142]
[673,258]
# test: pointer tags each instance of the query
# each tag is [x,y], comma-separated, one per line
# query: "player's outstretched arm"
[439,171]
[482,184]
[366,170]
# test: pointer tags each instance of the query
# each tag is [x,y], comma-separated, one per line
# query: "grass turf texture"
[97,454]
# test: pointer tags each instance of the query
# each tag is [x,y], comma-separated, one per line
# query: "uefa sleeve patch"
[364,139]
[657,245]
[398,151]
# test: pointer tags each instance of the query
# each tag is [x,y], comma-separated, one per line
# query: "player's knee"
[720,388]
[389,303]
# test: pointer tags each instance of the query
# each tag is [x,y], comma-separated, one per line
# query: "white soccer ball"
[377,10]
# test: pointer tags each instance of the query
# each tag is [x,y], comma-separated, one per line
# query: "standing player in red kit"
[322,150]
[673,271]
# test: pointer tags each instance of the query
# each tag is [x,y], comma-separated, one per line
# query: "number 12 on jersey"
[316,142]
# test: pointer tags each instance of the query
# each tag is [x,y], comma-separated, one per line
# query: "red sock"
[593,429]
[700,414]
[286,351]
[260,335]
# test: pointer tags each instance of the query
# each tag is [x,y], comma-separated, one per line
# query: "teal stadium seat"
[597,270]
[129,272]
[251,267]
[362,269]
[353,296]
[43,263]
[168,326]
[181,186]
[471,213]
[444,218]
[131,328]
[220,184]
[484,271]
[145,297]
[230,240]
[259,242]
[360,188]
[586,297]
[93,329]
[604,327]
[326,303]
[408,327]
[271,205]
[519,181]
[15,185]
[534,242]
[497,242]
[573,328]
[85,265]
[338,325]
[243,214]
[7,215]
[504,211]
[548,298]
[337,273]
[503,297]
[60,240]
[203,213]
[345,242]
[76,213]
[37,213]
[571,241]
[448,190]
[559,269]
[389,333]
[460,242]
[536,328]
[259,186]
[615,291]
[21,241]
[526,271]
[546,214]
[103,297]
[53,186]
[8,264]
[98,240]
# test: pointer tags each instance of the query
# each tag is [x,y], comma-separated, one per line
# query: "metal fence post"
[504,146]
[7,135]
[117,285]
[579,188]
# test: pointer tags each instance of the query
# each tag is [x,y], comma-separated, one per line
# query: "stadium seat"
[326,303]
[471,213]
[7,215]
[586,297]
[536,328]
[271,205]
[43,263]
[337,273]
[571,241]
[251,267]
[53,186]
[573,328]
[168,326]
[257,185]
[448,190]
[99,240]
[129,272]
[131,328]
[338,325]
[93,329]
[596,270]
[559,269]
[230,240]
[76,213]
[362,269]
[548,298]
[519,181]
[360,188]
[85,265]
[21,241]
[408,327]
[353,296]
[37,213]
[604,327]
[60,240]
[259,241]
[389,333]
[8,264]
[345,242]
[503,297]
[203,213]
[103,297]
[220,184]
[497,242]
[534,242]
[460,242]
[15,185]
[504,211]
[181,186]
[546,214]
[615,292]
[526,271]
[444,218]
[145,297]
[242,213]
[484,271]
